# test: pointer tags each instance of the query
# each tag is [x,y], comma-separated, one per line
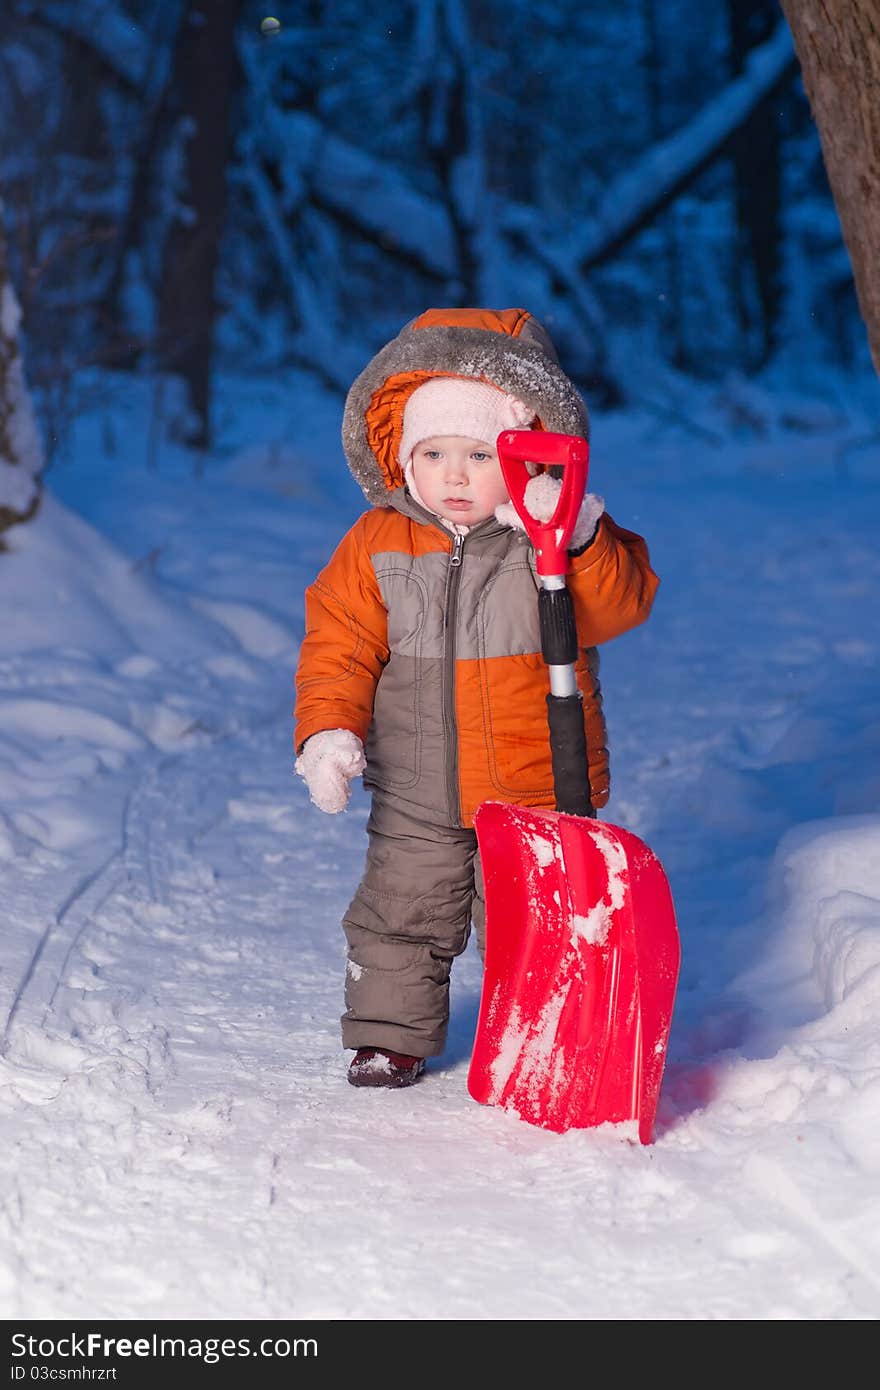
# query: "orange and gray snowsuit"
[426,645]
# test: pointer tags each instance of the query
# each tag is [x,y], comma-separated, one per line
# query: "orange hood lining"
[509,321]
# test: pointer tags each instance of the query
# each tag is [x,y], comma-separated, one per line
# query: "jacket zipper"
[453,581]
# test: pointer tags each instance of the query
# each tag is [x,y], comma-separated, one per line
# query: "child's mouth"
[458,504]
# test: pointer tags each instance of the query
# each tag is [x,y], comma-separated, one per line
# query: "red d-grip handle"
[518,447]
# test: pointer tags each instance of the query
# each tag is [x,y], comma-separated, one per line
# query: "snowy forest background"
[186,188]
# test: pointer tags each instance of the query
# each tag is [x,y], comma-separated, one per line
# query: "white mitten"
[328,762]
[541,496]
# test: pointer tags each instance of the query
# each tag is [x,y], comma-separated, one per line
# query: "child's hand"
[541,496]
[328,762]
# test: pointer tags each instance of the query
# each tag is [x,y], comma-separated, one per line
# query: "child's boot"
[374,1066]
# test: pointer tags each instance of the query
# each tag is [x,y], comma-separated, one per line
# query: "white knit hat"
[460,406]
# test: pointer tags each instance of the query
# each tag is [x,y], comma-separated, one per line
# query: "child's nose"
[456,470]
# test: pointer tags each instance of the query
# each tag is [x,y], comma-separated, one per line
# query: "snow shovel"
[582,946]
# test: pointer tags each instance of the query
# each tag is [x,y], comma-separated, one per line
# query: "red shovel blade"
[582,959]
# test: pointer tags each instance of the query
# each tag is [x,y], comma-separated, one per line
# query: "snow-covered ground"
[179,1139]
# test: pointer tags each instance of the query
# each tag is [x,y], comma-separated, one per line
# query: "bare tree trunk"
[757,167]
[671,301]
[205,80]
[838,46]
[124,347]
[21,456]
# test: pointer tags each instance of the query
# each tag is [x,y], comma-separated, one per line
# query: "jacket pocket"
[514,693]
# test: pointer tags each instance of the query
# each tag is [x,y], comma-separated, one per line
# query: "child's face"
[459,478]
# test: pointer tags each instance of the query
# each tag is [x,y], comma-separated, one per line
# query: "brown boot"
[373,1066]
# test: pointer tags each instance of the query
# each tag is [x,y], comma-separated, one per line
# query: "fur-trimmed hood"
[504,346]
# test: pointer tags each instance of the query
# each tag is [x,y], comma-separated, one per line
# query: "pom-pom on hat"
[460,406]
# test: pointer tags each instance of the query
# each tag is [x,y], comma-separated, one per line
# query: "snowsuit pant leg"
[409,919]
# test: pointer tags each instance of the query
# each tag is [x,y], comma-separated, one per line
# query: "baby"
[421,663]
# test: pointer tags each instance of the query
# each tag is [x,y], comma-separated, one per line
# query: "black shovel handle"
[565,713]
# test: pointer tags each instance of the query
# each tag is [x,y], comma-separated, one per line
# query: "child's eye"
[431,453]
[479,456]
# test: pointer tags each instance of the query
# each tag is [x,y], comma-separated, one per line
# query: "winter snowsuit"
[426,645]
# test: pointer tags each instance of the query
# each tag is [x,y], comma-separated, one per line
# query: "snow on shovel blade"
[582,959]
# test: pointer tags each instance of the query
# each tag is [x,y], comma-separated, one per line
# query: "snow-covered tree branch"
[638,194]
[115,37]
